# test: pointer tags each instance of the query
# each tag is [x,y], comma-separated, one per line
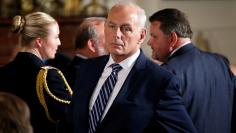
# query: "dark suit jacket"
[73,66]
[61,61]
[148,101]
[234,109]
[76,61]
[19,77]
[206,86]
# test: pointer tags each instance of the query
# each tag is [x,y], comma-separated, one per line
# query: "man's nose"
[117,33]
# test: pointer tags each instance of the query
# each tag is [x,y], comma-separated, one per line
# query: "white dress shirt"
[126,65]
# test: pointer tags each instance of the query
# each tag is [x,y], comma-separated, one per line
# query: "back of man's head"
[173,20]
[87,30]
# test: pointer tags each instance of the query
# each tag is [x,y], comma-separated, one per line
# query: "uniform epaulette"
[41,84]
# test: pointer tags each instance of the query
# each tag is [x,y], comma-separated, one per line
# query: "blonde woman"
[39,39]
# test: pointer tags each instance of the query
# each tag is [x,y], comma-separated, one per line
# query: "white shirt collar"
[179,47]
[81,56]
[128,62]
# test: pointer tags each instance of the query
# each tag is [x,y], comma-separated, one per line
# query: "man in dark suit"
[206,80]
[89,43]
[89,40]
[145,97]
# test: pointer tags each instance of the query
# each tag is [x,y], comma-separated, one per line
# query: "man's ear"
[142,35]
[173,39]
[38,42]
[91,45]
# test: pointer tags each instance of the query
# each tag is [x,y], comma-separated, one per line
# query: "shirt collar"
[128,62]
[81,56]
[179,48]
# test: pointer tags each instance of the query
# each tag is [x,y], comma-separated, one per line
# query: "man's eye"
[125,29]
[154,36]
[112,26]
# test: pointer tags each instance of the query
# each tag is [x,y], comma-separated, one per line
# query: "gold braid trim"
[41,84]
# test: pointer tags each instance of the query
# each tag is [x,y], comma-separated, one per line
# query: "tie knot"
[116,67]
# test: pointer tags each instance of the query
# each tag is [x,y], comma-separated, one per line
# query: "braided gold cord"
[41,84]
[40,94]
[48,90]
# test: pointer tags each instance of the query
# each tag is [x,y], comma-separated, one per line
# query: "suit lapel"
[133,77]
[129,85]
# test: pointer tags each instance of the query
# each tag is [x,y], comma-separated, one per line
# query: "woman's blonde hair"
[32,26]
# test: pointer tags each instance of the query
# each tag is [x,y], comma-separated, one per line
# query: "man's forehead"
[119,23]
[131,21]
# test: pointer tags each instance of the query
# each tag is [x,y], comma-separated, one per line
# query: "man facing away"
[138,96]
[89,40]
[89,43]
[206,80]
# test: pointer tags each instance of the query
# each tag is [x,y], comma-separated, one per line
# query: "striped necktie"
[102,98]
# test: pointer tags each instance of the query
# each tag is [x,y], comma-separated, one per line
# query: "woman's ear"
[39,42]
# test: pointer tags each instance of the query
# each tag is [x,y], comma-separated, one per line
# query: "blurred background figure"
[90,40]
[89,43]
[14,114]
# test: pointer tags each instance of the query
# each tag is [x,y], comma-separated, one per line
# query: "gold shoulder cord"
[41,84]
